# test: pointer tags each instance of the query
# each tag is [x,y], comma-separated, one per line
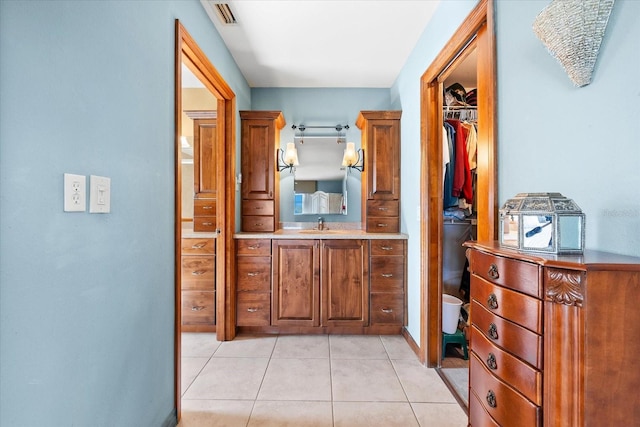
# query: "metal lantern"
[542,222]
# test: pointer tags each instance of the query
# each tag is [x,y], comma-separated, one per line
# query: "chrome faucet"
[320,223]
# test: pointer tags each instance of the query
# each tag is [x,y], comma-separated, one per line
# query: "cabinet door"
[345,283]
[258,159]
[205,176]
[383,159]
[296,283]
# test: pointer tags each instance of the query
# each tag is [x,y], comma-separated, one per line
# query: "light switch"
[100,194]
[75,193]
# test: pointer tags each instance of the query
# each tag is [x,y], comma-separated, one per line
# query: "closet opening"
[463,74]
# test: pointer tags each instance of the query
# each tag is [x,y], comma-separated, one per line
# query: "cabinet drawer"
[198,308]
[193,246]
[204,207]
[197,272]
[205,223]
[253,309]
[522,309]
[254,274]
[387,274]
[478,414]
[253,247]
[258,223]
[387,247]
[257,207]
[503,403]
[526,379]
[513,338]
[518,275]
[384,208]
[387,308]
[383,225]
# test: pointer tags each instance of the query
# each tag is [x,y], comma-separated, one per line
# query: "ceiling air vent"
[225,14]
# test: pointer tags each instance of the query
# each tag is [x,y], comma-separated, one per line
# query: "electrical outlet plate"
[75,193]
[100,194]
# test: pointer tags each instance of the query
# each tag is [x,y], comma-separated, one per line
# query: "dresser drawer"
[387,274]
[257,207]
[198,246]
[478,414]
[387,308]
[204,207]
[205,224]
[519,308]
[384,247]
[383,225]
[518,275]
[513,338]
[254,274]
[198,307]
[503,403]
[258,223]
[523,377]
[254,309]
[257,247]
[197,272]
[383,208]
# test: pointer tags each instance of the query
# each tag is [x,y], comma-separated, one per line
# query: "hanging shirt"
[462,184]
[448,199]
[472,145]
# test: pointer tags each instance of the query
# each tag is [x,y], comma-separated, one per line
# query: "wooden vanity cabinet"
[198,285]
[388,284]
[260,141]
[205,172]
[253,282]
[553,338]
[381,175]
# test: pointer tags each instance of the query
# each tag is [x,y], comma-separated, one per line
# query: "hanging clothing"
[462,182]
[448,199]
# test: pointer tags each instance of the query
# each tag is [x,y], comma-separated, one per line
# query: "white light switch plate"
[75,193]
[100,194]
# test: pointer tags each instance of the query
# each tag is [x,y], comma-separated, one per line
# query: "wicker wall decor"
[572,31]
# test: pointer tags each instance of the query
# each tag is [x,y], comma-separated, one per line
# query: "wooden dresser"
[198,282]
[553,338]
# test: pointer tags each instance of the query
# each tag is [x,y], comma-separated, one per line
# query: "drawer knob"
[493,272]
[491,399]
[208,224]
[252,309]
[491,362]
[387,310]
[207,207]
[492,301]
[258,224]
[387,275]
[386,248]
[198,245]
[198,272]
[383,209]
[493,331]
[252,274]
[382,225]
[197,308]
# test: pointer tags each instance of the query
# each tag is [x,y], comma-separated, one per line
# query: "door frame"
[188,51]
[478,31]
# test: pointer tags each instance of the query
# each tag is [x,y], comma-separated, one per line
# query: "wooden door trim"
[479,25]
[199,64]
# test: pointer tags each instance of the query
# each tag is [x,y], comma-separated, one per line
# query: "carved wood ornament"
[564,287]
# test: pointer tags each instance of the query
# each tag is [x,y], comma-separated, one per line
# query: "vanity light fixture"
[289,158]
[353,159]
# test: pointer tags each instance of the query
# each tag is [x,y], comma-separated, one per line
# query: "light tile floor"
[311,381]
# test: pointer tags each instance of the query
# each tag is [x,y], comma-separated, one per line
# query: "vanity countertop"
[320,234]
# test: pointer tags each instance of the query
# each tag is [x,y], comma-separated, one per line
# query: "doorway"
[189,55]
[474,36]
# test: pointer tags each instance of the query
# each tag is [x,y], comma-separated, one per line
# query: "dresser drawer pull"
[258,224]
[491,399]
[252,274]
[253,247]
[197,308]
[208,224]
[382,225]
[386,248]
[493,272]
[198,246]
[383,209]
[387,310]
[386,275]
[492,301]
[198,272]
[258,208]
[206,208]
[491,362]
[493,331]
[252,309]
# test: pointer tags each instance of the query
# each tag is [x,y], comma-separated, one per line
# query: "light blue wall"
[320,107]
[405,96]
[87,300]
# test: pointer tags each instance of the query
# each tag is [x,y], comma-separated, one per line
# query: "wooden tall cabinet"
[553,338]
[198,285]
[381,175]
[205,171]
[296,283]
[259,148]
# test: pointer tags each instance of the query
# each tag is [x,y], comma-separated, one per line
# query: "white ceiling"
[331,43]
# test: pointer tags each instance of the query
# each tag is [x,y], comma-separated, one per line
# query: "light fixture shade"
[350,156]
[291,155]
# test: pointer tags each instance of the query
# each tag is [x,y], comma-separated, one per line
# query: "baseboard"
[414,346]
[171,420]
